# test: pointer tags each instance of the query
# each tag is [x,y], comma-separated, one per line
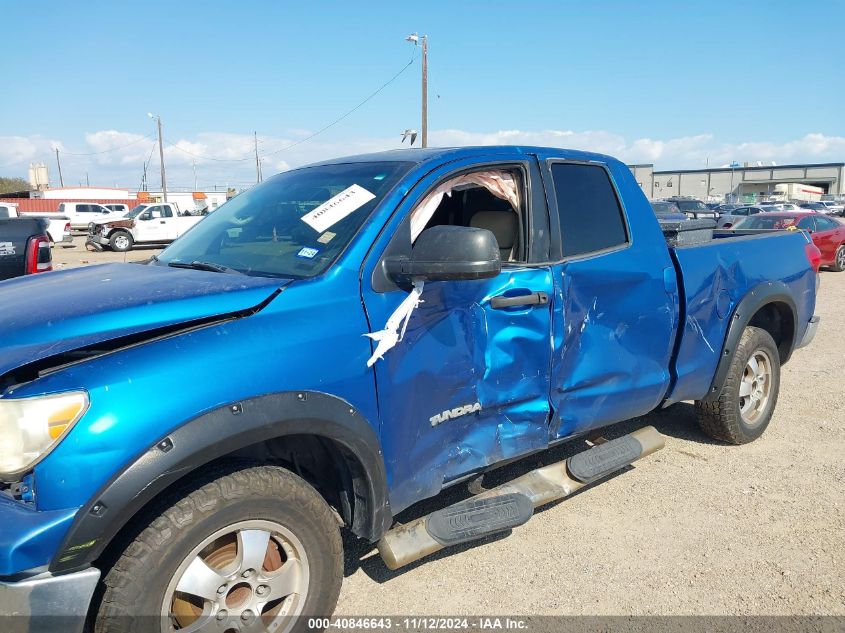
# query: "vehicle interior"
[474,204]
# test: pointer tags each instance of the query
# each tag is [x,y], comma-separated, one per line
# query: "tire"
[739,419]
[839,259]
[202,526]
[121,241]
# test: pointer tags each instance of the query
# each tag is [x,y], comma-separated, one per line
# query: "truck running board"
[512,504]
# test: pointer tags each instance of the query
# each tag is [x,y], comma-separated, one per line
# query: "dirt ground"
[700,528]
[77,255]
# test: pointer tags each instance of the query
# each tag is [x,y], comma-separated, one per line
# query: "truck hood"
[117,217]
[53,313]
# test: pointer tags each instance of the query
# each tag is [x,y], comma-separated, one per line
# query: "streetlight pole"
[415,39]
[425,91]
[161,156]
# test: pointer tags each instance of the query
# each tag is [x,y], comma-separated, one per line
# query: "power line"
[349,112]
[105,151]
[220,160]
[307,138]
[113,149]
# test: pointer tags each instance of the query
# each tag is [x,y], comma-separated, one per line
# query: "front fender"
[215,434]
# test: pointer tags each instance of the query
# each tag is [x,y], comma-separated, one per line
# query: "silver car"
[727,220]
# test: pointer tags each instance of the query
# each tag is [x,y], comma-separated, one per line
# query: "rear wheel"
[749,393]
[250,549]
[839,259]
[121,241]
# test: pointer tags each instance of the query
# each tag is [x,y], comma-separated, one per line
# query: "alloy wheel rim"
[121,242]
[840,257]
[755,388]
[250,576]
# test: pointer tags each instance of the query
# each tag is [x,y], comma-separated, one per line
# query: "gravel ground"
[700,528]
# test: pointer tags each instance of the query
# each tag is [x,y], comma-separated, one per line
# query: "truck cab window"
[590,216]
[489,200]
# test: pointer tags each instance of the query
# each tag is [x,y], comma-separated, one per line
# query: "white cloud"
[118,157]
[18,151]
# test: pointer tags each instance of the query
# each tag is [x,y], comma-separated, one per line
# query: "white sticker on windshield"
[7,248]
[335,209]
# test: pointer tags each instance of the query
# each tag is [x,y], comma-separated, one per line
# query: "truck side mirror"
[146,215]
[448,253]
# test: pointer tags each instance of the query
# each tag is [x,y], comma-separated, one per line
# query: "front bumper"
[96,242]
[48,603]
[94,238]
[810,332]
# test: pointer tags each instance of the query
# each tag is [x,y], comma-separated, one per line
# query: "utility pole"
[59,163]
[195,174]
[425,91]
[257,162]
[144,178]
[161,156]
[87,182]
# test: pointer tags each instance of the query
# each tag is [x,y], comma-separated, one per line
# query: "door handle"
[161,222]
[532,299]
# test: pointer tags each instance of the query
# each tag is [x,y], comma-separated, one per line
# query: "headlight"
[31,427]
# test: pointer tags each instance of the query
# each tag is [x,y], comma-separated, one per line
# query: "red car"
[828,233]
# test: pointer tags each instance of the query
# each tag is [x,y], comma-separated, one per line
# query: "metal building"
[746,183]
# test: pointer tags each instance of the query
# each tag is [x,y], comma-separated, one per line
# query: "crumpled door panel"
[614,335]
[459,351]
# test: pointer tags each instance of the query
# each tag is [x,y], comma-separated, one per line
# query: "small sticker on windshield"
[7,248]
[335,209]
[326,237]
[307,252]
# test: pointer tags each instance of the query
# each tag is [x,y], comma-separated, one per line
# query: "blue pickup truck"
[184,439]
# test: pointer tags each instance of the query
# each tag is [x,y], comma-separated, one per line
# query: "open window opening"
[489,199]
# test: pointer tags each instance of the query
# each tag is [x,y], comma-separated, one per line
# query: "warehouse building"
[742,183]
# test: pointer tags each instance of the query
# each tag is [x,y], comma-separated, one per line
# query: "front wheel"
[749,393]
[121,241]
[839,259]
[255,548]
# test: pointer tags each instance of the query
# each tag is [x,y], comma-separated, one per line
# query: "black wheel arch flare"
[773,292]
[216,434]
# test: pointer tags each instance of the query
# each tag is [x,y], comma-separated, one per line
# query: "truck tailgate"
[14,236]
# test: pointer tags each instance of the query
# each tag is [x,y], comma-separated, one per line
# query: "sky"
[680,84]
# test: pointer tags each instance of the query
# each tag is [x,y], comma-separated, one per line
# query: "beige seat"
[505,227]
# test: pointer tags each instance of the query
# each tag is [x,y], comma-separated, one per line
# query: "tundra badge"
[451,414]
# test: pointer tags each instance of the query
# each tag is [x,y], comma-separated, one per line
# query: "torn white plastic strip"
[335,209]
[500,183]
[391,334]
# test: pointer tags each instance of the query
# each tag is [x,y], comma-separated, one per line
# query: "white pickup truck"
[159,223]
[81,214]
[58,225]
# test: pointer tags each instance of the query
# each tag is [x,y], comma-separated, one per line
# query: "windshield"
[293,225]
[691,205]
[767,221]
[136,211]
[664,208]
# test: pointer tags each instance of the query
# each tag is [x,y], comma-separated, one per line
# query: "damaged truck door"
[470,379]
[615,313]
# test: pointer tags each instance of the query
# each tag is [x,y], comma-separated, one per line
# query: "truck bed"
[713,277]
